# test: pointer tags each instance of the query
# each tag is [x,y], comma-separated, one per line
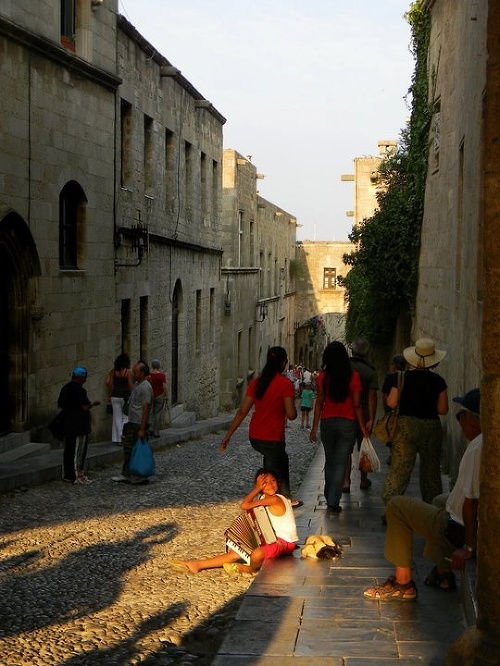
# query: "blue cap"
[79,372]
[470,401]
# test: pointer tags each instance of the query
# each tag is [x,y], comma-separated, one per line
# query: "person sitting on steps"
[449,528]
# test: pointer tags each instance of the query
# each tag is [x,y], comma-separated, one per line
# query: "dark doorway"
[174,379]
[19,273]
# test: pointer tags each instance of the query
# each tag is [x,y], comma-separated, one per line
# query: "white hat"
[424,354]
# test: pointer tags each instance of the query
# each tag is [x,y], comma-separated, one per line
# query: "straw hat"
[424,354]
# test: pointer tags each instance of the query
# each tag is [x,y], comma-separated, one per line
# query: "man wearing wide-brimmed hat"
[423,399]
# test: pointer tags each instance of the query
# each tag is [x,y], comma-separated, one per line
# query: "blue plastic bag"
[142,462]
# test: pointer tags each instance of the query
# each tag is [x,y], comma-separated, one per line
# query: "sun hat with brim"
[79,372]
[470,401]
[424,354]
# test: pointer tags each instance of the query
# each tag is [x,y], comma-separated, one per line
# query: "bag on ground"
[57,427]
[368,458]
[142,462]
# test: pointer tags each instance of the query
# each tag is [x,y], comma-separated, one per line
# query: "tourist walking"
[424,398]
[337,411]
[272,396]
[369,383]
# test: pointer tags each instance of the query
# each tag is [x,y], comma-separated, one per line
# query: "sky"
[305,85]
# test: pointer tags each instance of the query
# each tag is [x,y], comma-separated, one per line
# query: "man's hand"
[459,557]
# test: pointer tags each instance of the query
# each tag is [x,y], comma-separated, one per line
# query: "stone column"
[480,645]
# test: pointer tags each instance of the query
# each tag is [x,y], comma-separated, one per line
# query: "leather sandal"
[445,581]
[392,591]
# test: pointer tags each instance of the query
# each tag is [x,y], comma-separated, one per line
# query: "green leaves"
[383,280]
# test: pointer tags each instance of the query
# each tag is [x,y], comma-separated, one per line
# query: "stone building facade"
[320,299]
[458,297]
[110,212]
[57,173]
[258,301]
[450,293]
[366,181]
[167,232]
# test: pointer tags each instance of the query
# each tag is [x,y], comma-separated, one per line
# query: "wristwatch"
[468,548]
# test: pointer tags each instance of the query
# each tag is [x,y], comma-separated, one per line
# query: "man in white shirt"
[141,399]
[450,529]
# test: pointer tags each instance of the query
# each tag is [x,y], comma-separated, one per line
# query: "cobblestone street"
[85,570]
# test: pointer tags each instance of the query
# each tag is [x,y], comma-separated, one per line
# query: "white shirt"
[284,526]
[467,483]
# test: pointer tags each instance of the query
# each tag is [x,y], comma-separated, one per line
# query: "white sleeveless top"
[284,526]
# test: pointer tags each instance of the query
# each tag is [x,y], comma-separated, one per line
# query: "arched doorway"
[176,310]
[19,272]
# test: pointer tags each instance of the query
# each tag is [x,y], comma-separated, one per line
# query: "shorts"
[277,549]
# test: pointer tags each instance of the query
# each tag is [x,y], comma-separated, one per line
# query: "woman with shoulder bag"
[119,383]
[423,399]
[337,410]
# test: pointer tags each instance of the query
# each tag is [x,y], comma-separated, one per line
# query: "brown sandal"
[392,591]
[445,581]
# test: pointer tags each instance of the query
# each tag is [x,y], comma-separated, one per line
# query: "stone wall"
[258,290]
[58,114]
[169,193]
[450,293]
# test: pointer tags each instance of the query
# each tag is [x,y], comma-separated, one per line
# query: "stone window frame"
[329,278]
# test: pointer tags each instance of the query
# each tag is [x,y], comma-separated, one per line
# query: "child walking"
[306,405]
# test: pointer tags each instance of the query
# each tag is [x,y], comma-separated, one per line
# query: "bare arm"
[267,500]
[290,408]
[318,406]
[392,398]
[144,420]
[358,410]
[469,514]
[372,408]
[238,419]
[442,404]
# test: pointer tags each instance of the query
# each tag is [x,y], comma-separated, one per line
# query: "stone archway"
[19,274]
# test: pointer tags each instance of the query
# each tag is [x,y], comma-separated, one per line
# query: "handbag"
[57,427]
[368,458]
[385,428]
[142,462]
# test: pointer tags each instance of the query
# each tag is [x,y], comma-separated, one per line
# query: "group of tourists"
[343,401]
[137,398]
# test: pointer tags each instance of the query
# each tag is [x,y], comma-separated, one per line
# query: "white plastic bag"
[368,458]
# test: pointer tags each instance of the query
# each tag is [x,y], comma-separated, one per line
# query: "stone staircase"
[15,446]
[24,463]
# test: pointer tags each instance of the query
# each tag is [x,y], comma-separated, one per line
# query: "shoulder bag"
[385,428]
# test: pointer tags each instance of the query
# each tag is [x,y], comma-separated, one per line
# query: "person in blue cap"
[75,405]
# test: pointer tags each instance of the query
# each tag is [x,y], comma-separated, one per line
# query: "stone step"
[13,440]
[29,450]
[183,420]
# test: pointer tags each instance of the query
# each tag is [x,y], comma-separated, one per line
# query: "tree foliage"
[382,282]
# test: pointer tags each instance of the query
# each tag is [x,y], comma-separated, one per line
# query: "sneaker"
[138,480]
[82,480]
[120,479]
[68,480]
